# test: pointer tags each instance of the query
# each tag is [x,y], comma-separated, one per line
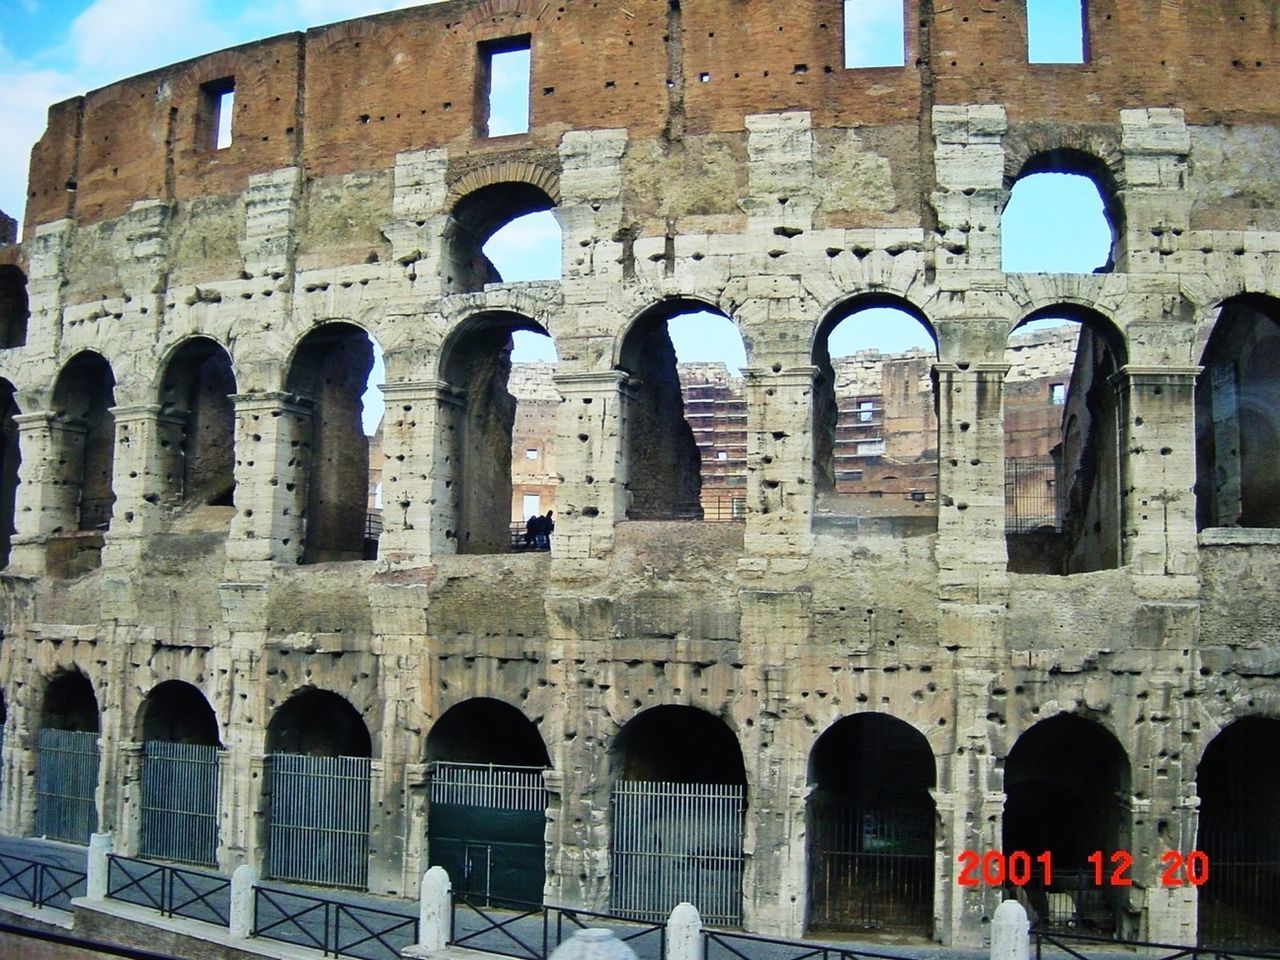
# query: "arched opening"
[875,423]
[180,747]
[1063,216]
[1066,784]
[534,476]
[481,215]
[871,823]
[14,310]
[1238,418]
[330,374]
[1062,443]
[677,816]
[67,760]
[318,789]
[476,364]
[1238,781]
[198,421]
[684,414]
[488,802]
[10,460]
[85,440]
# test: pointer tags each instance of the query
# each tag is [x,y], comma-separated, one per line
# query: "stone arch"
[475,364]
[865,401]
[84,441]
[10,460]
[1068,792]
[709,753]
[197,422]
[486,730]
[318,723]
[665,466]
[870,825]
[1237,424]
[328,374]
[175,711]
[15,310]
[480,202]
[69,703]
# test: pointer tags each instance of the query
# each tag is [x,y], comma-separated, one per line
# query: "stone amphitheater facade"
[178,551]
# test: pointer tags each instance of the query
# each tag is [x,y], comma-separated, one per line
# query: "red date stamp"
[995,868]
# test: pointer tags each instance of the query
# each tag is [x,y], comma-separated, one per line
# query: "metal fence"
[66,780]
[1084,947]
[726,945]
[1032,498]
[40,884]
[1240,905]
[173,891]
[180,802]
[489,786]
[335,928]
[533,931]
[319,819]
[676,842]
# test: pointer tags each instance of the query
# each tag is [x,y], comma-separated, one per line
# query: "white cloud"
[25,97]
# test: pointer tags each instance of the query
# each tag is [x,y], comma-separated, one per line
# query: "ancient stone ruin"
[819,718]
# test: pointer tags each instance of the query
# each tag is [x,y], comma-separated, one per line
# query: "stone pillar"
[435,910]
[591,455]
[273,432]
[243,880]
[1010,932]
[46,502]
[972,560]
[780,488]
[137,480]
[1158,471]
[98,866]
[684,933]
[129,820]
[419,499]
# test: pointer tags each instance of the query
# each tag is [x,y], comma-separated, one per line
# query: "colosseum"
[824,715]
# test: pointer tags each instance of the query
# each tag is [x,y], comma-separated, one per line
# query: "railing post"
[684,933]
[99,865]
[243,907]
[1010,932]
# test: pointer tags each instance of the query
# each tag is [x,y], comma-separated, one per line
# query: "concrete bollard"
[1010,932]
[435,909]
[684,933]
[593,944]
[98,865]
[243,880]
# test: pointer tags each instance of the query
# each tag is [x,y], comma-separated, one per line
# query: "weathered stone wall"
[779,191]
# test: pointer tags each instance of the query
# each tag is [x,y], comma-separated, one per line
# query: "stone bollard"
[1010,932]
[435,909]
[98,865]
[243,880]
[684,933]
[593,944]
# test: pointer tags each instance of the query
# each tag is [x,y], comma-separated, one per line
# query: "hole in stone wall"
[874,33]
[1059,221]
[505,72]
[214,114]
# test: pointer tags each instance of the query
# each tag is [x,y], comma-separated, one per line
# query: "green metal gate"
[486,828]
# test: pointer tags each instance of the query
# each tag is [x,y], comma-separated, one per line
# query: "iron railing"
[173,891]
[725,510]
[319,820]
[180,802]
[66,782]
[40,884]
[1075,945]
[1032,498]
[724,944]
[330,926]
[528,931]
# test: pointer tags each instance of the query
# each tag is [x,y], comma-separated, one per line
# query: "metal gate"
[1240,905]
[870,869]
[180,801]
[676,842]
[319,820]
[486,828]
[66,781]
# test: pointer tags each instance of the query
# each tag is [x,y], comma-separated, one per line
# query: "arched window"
[14,310]
[875,425]
[198,422]
[330,372]
[1238,418]
[495,221]
[677,816]
[85,439]
[1063,216]
[871,824]
[320,752]
[488,801]
[534,478]
[10,459]
[1066,784]
[685,414]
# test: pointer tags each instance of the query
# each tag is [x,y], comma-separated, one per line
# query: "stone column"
[46,502]
[780,488]
[273,432]
[128,822]
[1158,471]
[419,502]
[592,461]
[138,478]
[971,553]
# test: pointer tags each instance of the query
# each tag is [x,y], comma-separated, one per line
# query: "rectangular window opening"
[875,33]
[531,453]
[217,108]
[505,75]
[1058,393]
[1056,31]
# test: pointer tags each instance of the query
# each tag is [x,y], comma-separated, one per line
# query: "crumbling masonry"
[185,331]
